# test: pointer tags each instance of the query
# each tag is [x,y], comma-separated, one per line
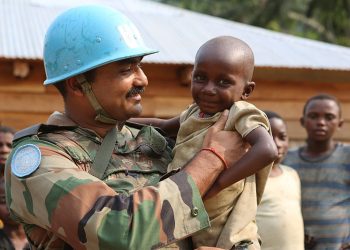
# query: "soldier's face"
[118,87]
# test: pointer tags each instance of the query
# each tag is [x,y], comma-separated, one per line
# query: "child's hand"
[345,246]
[310,242]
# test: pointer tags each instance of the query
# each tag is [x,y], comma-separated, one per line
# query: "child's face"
[321,119]
[5,147]
[280,137]
[217,82]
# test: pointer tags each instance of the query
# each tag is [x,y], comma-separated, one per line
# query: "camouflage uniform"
[61,203]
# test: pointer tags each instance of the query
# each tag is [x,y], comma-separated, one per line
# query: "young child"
[6,137]
[279,219]
[323,167]
[221,80]
[12,235]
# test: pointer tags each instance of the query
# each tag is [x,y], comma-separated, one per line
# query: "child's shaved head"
[232,48]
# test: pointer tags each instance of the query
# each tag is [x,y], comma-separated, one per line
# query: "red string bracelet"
[217,154]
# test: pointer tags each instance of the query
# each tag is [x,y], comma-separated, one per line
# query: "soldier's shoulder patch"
[25,160]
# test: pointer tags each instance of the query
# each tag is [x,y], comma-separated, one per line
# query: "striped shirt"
[325,185]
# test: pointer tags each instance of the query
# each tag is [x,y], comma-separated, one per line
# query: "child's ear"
[248,89]
[301,120]
[341,122]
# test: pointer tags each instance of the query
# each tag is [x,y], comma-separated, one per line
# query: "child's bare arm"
[169,126]
[263,151]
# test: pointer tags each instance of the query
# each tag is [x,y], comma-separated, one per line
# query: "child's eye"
[284,137]
[198,78]
[312,116]
[330,117]
[224,82]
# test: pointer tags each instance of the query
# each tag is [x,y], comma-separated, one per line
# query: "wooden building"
[24,102]
[283,85]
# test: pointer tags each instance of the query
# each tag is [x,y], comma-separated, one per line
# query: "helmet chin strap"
[101,114]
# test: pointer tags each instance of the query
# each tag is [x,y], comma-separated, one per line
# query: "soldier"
[87,179]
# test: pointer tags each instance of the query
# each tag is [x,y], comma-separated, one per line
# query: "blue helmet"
[86,37]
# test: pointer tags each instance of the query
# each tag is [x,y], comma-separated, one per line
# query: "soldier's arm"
[261,153]
[67,202]
[85,212]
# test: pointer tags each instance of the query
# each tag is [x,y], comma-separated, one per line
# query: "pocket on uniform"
[150,142]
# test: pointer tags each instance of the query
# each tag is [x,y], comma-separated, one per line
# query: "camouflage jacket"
[61,204]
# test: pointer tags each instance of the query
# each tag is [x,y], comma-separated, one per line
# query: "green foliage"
[326,20]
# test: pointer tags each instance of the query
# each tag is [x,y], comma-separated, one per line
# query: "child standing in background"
[221,80]
[323,165]
[12,235]
[6,137]
[279,219]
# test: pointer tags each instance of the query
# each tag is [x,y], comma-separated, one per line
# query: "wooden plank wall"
[288,93]
[24,102]
[285,95]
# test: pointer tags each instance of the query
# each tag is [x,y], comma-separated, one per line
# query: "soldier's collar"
[60,119]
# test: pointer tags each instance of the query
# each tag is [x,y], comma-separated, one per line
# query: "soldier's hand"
[228,144]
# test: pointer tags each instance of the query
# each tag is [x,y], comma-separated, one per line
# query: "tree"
[324,20]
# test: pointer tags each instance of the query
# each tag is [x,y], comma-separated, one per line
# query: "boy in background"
[279,219]
[324,169]
[221,80]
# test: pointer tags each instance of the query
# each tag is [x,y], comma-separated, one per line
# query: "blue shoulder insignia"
[25,160]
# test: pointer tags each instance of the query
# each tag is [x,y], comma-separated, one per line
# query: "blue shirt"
[325,186]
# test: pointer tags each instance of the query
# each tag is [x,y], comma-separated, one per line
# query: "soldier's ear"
[74,87]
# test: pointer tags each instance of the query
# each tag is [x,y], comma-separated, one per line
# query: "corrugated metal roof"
[175,32]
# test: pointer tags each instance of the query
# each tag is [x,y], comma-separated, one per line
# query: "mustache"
[135,91]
